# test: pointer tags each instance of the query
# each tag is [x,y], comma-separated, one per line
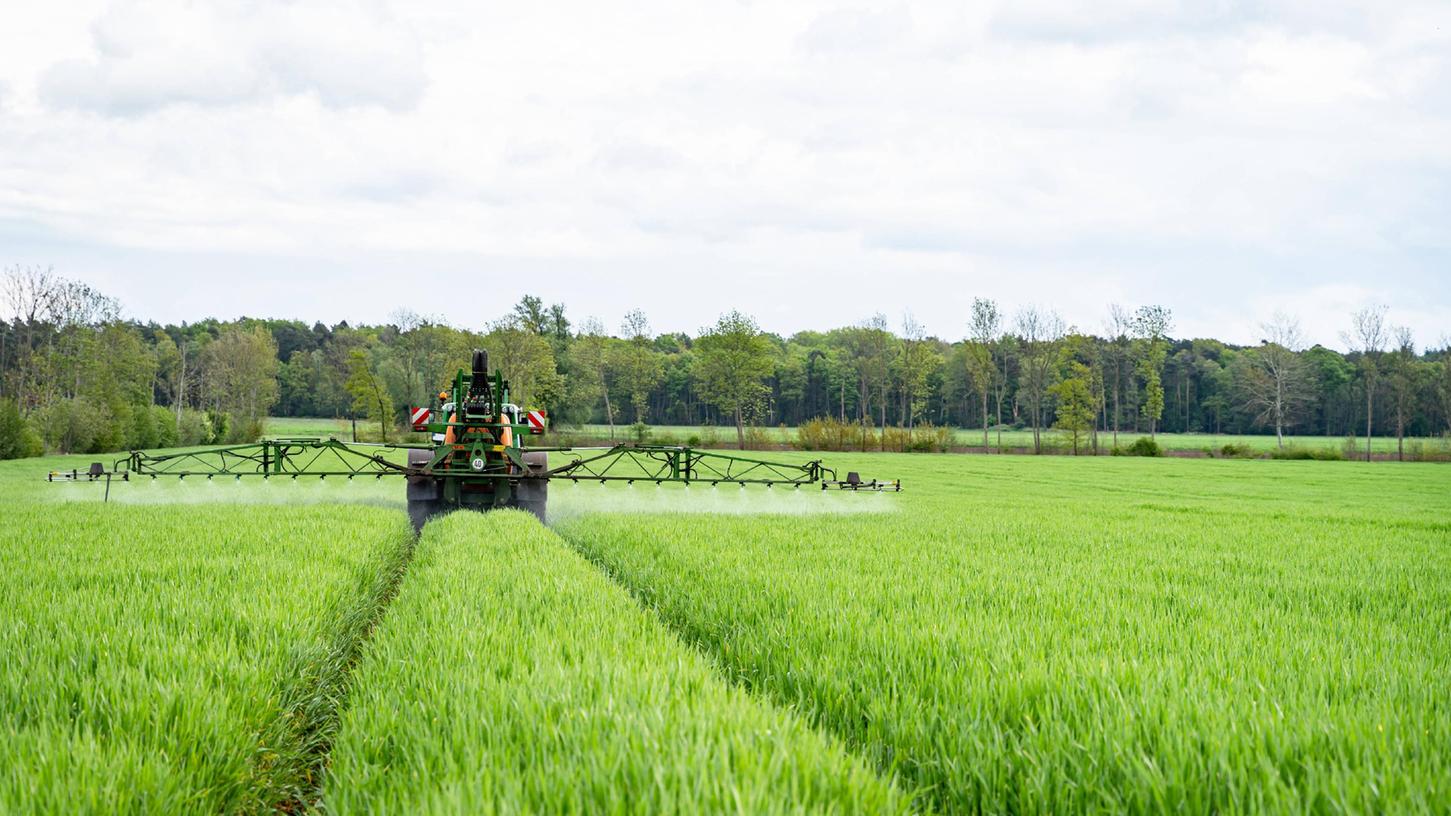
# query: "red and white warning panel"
[536,422]
[420,417]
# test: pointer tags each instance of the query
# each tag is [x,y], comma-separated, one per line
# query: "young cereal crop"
[510,676]
[1060,636]
[178,659]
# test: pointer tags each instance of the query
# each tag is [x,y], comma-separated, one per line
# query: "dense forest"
[75,376]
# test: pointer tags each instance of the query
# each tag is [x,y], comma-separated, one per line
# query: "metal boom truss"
[280,457]
[662,463]
[305,457]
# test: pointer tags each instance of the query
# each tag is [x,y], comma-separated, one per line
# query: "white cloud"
[806,162]
[855,31]
[151,54]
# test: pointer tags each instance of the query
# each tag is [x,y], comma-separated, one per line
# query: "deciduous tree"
[1406,377]
[527,361]
[16,437]
[636,364]
[241,377]
[1119,344]
[1443,387]
[735,358]
[1276,384]
[1151,326]
[370,397]
[983,329]
[1075,403]
[1368,336]
[1330,376]
[917,359]
[867,348]
[1041,332]
[588,366]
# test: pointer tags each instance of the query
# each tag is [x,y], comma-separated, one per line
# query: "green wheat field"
[1008,635]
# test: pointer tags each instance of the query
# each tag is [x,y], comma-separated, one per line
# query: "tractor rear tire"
[533,494]
[425,494]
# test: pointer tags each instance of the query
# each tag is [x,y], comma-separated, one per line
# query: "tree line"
[75,376]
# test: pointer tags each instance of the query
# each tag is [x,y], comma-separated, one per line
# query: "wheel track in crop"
[293,748]
[921,790]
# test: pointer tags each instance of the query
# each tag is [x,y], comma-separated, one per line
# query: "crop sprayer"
[477,459]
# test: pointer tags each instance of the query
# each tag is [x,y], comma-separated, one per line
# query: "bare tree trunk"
[1400,436]
[884,417]
[1000,420]
[1116,408]
[383,418]
[984,421]
[609,414]
[1117,375]
[1279,414]
[180,395]
[1369,410]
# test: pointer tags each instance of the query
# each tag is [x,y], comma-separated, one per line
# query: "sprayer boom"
[320,458]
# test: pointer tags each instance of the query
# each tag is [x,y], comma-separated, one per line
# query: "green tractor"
[475,462]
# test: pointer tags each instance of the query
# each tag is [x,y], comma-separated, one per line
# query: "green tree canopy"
[734,361]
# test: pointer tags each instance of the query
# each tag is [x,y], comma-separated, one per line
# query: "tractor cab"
[511,411]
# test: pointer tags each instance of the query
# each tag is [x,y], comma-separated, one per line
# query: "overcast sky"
[810,163]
